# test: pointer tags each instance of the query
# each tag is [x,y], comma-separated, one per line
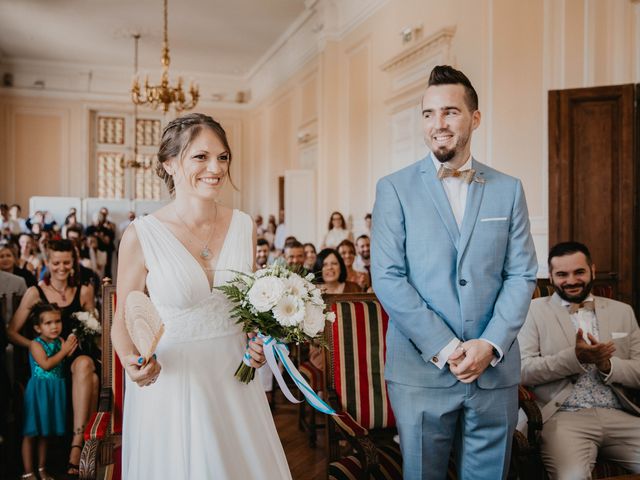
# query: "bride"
[185,414]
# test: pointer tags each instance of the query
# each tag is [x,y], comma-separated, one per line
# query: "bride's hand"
[254,347]
[143,375]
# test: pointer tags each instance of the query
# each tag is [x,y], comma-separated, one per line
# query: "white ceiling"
[225,37]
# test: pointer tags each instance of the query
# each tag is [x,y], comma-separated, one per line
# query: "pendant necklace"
[205,253]
[62,293]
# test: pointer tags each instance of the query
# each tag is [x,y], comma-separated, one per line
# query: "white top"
[455,188]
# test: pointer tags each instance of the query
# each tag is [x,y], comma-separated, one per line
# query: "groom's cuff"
[440,358]
[497,352]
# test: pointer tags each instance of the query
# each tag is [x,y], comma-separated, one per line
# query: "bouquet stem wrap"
[275,350]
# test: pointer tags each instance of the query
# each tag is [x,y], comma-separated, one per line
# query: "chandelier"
[164,94]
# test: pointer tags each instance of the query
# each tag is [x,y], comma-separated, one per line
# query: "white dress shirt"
[456,189]
[586,320]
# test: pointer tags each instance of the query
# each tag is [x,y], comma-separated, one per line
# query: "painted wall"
[334,113]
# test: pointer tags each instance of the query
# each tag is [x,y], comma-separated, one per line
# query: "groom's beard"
[586,290]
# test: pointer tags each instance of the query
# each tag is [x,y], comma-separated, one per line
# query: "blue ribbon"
[275,350]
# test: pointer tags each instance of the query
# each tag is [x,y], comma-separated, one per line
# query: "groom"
[453,264]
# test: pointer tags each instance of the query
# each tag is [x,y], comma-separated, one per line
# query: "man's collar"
[564,303]
[437,163]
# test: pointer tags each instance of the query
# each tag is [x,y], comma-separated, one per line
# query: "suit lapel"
[563,319]
[471,209]
[439,197]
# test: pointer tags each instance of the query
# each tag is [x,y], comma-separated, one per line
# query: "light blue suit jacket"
[437,282]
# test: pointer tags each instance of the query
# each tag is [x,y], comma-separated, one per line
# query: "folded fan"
[143,323]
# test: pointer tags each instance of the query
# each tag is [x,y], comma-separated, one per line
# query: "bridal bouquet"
[86,328]
[281,305]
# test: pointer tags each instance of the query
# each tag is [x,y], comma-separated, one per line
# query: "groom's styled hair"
[447,75]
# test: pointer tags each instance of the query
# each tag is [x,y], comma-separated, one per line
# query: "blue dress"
[45,398]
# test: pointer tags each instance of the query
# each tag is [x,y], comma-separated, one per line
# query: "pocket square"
[615,335]
[494,219]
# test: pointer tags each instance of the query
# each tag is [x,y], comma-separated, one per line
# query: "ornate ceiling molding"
[424,48]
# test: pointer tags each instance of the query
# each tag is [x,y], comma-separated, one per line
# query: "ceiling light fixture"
[164,94]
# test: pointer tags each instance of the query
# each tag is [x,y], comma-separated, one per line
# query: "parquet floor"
[306,463]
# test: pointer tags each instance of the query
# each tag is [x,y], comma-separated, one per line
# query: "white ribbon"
[275,350]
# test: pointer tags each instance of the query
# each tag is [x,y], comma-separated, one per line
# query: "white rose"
[331,317]
[316,297]
[289,311]
[296,285]
[265,293]
[313,321]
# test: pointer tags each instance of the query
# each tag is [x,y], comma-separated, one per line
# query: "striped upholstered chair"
[101,454]
[354,378]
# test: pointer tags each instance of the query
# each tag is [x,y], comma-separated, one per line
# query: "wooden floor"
[306,463]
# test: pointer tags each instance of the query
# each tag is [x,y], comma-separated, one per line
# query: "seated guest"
[579,352]
[10,285]
[87,275]
[294,254]
[9,264]
[262,253]
[347,251]
[260,228]
[15,212]
[29,258]
[8,227]
[331,273]
[95,259]
[338,231]
[362,262]
[310,256]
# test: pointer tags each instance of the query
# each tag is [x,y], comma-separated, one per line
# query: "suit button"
[434,359]
[462,282]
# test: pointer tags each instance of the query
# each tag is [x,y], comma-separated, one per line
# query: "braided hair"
[179,134]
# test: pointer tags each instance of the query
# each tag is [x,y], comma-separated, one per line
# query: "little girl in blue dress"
[45,398]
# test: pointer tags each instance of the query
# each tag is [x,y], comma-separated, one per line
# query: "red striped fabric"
[358,362]
[117,386]
[97,426]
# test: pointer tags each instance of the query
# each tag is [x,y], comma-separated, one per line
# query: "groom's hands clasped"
[470,359]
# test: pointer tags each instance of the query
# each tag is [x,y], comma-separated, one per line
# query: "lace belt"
[207,319]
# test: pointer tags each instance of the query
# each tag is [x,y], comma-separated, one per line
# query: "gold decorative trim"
[441,37]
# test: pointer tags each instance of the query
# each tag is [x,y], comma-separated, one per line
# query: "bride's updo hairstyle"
[178,135]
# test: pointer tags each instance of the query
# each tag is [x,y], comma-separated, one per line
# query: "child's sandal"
[42,473]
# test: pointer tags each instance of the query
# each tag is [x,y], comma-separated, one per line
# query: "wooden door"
[593,160]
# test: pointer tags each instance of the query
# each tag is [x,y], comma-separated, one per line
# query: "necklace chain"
[62,292]
[205,253]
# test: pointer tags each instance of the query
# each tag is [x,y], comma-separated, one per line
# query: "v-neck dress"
[197,421]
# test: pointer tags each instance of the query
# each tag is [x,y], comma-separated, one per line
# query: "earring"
[73,272]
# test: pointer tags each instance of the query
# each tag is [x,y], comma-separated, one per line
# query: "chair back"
[112,392]
[355,361]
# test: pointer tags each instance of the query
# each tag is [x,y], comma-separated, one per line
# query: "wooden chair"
[308,419]
[101,455]
[533,468]
[356,389]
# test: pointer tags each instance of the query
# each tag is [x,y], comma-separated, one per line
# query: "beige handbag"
[143,323]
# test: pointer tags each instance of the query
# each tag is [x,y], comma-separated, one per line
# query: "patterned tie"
[465,175]
[588,305]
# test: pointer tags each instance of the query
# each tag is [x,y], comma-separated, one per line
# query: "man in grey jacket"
[579,353]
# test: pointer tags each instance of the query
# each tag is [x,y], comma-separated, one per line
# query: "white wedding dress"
[198,421]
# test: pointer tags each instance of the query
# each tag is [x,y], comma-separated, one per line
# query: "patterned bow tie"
[574,307]
[465,175]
